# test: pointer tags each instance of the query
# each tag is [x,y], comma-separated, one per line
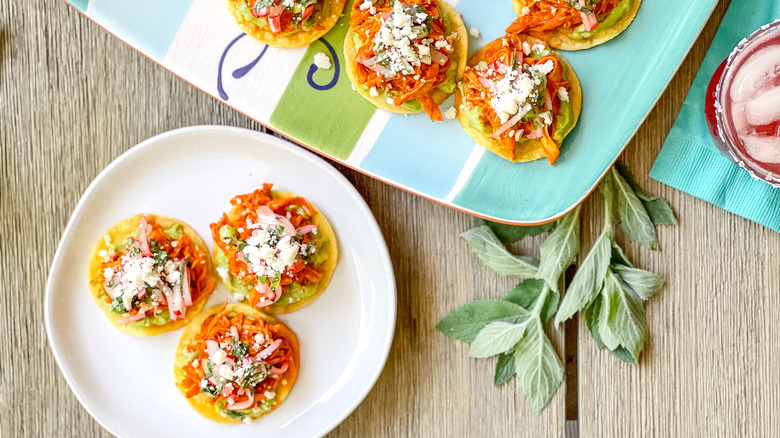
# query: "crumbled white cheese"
[322,61]
[218,357]
[526,48]
[450,113]
[563,94]
[223,273]
[513,90]
[102,253]
[540,49]
[372,92]
[195,363]
[173,277]
[107,239]
[545,68]
[400,44]
[368,5]
[226,372]
[546,117]
[269,254]
[474,32]
[135,275]
[269,394]
[525,11]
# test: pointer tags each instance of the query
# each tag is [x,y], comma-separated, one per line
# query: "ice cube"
[739,117]
[765,108]
[763,149]
[759,70]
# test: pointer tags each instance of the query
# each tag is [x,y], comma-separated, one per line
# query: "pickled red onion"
[131,318]
[211,346]
[241,405]
[185,287]
[268,350]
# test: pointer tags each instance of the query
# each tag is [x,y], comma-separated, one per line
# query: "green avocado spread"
[614,15]
[255,412]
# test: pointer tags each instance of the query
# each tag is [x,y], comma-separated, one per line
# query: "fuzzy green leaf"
[643,283]
[496,338]
[537,366]
[624,321]
[505,368]
[634,219]
[618,256]
[588,279]
[513,233]
[624,355]
[560,248]
[657,208]
[592,319]
[527,293]
[491,251]
[466,321]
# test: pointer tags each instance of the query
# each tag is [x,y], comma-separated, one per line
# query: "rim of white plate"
[273,142]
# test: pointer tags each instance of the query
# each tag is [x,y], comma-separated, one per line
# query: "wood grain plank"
[709,367]
[72,98]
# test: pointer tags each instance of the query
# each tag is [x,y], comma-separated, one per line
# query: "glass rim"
[741,160]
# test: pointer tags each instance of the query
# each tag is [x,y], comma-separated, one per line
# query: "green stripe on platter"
[320,108]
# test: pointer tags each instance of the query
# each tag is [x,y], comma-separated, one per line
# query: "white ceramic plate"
[126,383]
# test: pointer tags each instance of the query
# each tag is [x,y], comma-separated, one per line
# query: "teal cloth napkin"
[689,160]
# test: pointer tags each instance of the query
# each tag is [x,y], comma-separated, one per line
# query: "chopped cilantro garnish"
[240,350]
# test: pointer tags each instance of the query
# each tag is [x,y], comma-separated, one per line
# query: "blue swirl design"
[336,66]
[239,72]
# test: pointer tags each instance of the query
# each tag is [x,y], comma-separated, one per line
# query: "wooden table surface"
[72,98]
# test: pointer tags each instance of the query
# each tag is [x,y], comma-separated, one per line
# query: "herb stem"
[609,200]
[537,310]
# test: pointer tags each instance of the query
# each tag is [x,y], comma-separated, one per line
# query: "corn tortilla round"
[459,56]
[120,232]
[561,38]
[297,39]
[203,404]
[528,150]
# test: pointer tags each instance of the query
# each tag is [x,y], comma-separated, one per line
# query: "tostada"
[150,274]
[274,249]
[573,24]
[286,23]
[519,99]
[405,57]
[235,363]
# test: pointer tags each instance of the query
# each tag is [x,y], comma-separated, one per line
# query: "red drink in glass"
[746,105]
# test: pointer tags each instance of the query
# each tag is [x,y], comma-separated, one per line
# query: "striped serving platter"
[282,89]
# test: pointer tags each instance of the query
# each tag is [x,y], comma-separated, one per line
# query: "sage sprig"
[513,328]
[608,290]
[607,287]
